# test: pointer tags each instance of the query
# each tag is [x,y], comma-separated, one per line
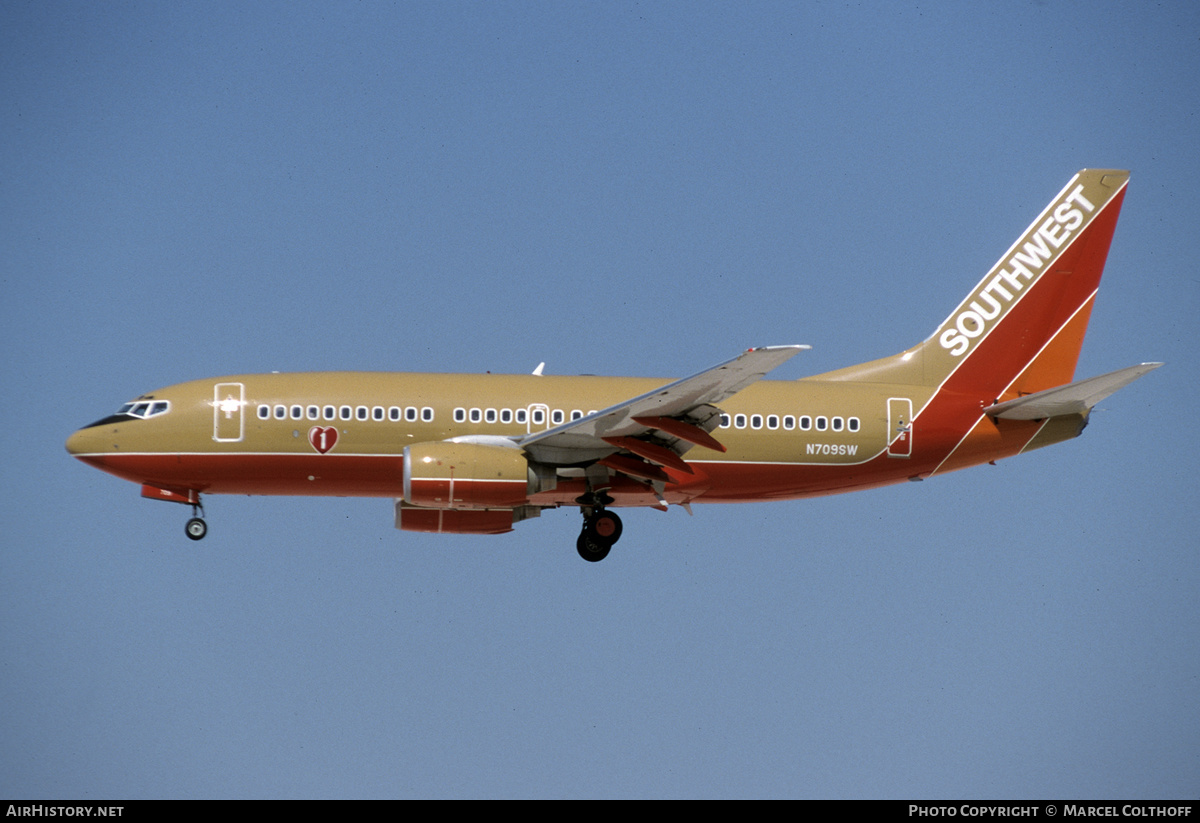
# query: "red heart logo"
[323,438]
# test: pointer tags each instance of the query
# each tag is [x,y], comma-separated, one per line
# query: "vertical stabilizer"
[1020,329]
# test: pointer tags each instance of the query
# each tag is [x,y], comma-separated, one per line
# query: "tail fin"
[1020,329]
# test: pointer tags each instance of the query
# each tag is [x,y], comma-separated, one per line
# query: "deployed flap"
[1074,398]
[583,439]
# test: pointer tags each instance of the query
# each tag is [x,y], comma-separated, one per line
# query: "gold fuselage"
[264,434]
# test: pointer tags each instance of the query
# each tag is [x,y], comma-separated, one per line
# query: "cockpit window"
[143,409]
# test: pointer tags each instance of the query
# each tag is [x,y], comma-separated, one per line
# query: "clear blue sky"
[196,189]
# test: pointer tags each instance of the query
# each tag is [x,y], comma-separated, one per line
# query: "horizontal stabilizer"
[1074,398]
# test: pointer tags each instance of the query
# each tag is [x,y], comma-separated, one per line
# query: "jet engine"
[450,475]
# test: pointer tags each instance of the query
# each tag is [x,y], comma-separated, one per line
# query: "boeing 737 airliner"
[478,453]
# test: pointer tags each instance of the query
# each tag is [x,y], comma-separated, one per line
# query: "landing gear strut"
[601,529]
[196,528]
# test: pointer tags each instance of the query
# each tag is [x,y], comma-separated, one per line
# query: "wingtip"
[791,347]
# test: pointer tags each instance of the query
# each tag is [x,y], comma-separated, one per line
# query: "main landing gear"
[601,529]
[196,528]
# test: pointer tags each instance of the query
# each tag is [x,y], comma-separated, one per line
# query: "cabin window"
[805,422]
[739,421]
[539,417]
[522,415]
[556,416]
[489,416]
[476,415]
[460,415]
[427,414]
[395,413]
[789,422]
[852,424]
[836,424]
[506,415]
[264,412]
[329,413]
[822,423]
[772,421]
[410,414]
[281,412]
[725,421]
[756,421]
[377,413]
[314,413]
[576,414]
[346,413]
[297,412]
[362,412]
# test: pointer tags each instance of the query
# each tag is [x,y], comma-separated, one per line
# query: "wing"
[1073,398]
[657,426]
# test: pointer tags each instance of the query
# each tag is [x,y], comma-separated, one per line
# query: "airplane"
[476,454]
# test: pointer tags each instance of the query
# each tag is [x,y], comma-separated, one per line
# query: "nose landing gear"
[196,528]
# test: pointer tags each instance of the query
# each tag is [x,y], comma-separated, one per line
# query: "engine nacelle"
[447,475]
[461,521]
[451,521]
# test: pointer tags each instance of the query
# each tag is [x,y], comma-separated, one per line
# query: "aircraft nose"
[88,444]
[75,443]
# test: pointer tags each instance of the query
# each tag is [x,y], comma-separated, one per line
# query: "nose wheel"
[196,528]
[601,529]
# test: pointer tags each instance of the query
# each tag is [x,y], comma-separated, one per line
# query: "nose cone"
[90,444]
